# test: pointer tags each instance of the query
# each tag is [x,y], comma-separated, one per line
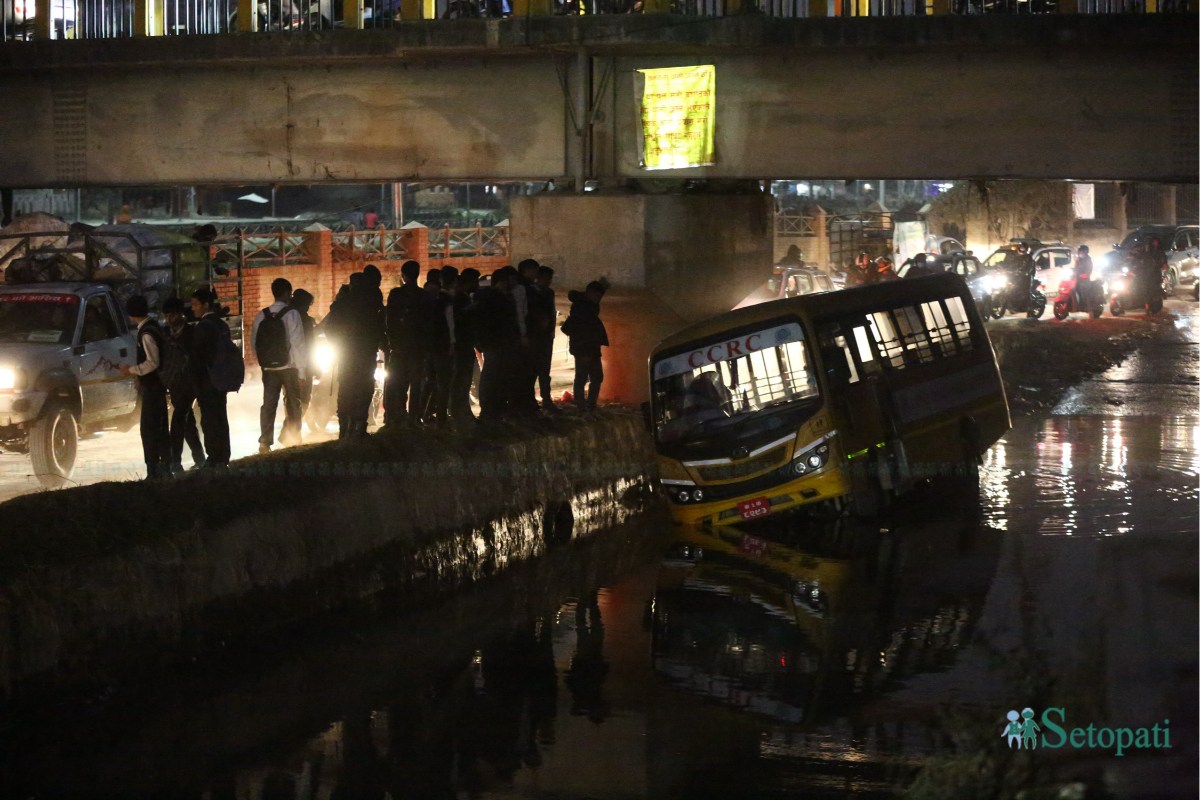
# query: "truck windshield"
[38,318]
[717,387]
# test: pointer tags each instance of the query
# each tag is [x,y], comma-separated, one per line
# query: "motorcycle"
[322,403]
[1126,291]
[1009,297]
[1079,295]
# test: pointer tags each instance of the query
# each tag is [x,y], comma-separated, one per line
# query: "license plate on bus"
[758,507]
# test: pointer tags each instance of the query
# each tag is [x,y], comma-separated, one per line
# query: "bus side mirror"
[645,407]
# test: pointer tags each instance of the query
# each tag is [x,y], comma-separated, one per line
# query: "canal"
[804,658]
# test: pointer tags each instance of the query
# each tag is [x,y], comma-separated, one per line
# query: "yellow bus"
[846,397]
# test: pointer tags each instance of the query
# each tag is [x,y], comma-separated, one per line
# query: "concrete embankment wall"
[111,573]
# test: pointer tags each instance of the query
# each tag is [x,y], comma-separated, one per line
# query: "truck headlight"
[11,378]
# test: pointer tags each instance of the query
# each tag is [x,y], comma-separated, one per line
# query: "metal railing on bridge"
[108,19]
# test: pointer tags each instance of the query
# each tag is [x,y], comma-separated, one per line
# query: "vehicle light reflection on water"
[1083,478]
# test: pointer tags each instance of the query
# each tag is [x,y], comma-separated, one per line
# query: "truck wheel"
[1060,310]
[53,442]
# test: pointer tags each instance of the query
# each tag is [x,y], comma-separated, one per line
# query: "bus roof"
[858,298]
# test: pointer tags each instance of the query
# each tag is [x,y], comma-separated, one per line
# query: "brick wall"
[327,273]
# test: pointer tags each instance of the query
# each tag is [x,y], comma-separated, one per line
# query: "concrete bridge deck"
[1056,96]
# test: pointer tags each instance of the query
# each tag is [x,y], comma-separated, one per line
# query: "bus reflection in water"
[801,623]
[848,398]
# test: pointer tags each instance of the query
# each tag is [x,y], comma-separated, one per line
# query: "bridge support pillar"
[671,259]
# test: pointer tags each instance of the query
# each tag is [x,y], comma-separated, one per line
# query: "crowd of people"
[436,341]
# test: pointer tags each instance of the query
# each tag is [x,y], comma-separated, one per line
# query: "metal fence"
[106,19]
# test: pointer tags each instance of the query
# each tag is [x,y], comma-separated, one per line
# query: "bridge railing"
[447,242]
[107,19]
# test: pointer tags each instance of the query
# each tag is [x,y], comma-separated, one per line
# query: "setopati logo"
[1022,732]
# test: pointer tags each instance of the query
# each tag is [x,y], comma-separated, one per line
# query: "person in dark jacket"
[587,335]
[355,323]
[214,413]
[463,341]
[543,312]
[439,363]
[181,385]
[499,338]
[302,301]
[409,315]
[435,338]
[151,347]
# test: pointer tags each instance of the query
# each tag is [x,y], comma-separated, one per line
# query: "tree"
[1006,209]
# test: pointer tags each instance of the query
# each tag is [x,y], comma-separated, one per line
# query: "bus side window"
[866,356]
[917,348]
[961,324]
[891,349]
[939,329]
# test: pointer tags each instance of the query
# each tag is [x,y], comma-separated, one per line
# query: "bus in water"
[842,397]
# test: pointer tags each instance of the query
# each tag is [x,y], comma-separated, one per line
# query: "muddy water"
[806,659]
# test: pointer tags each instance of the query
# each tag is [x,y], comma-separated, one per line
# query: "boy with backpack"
[181,385]
[156,442]
[587,335]
[279,344]
[218,369]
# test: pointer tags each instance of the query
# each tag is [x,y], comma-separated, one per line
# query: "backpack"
[271,342]
[227,370]
[175,370]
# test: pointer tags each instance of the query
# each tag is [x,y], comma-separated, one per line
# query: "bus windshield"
[717,387]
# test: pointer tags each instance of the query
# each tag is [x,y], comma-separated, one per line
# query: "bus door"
[855,384]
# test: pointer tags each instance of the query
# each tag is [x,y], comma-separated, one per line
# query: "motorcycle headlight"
[380,374]
[1118,285]
[995,282]
[324,356]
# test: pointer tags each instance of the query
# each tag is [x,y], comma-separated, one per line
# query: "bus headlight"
[693,494]
[812,459]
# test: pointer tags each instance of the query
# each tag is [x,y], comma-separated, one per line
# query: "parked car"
[1178,244]
[790,282]
[1054,261]
[62,347]
[1183,259]
[796,281]
[945,251]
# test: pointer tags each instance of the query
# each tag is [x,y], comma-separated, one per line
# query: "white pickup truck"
[62,346]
